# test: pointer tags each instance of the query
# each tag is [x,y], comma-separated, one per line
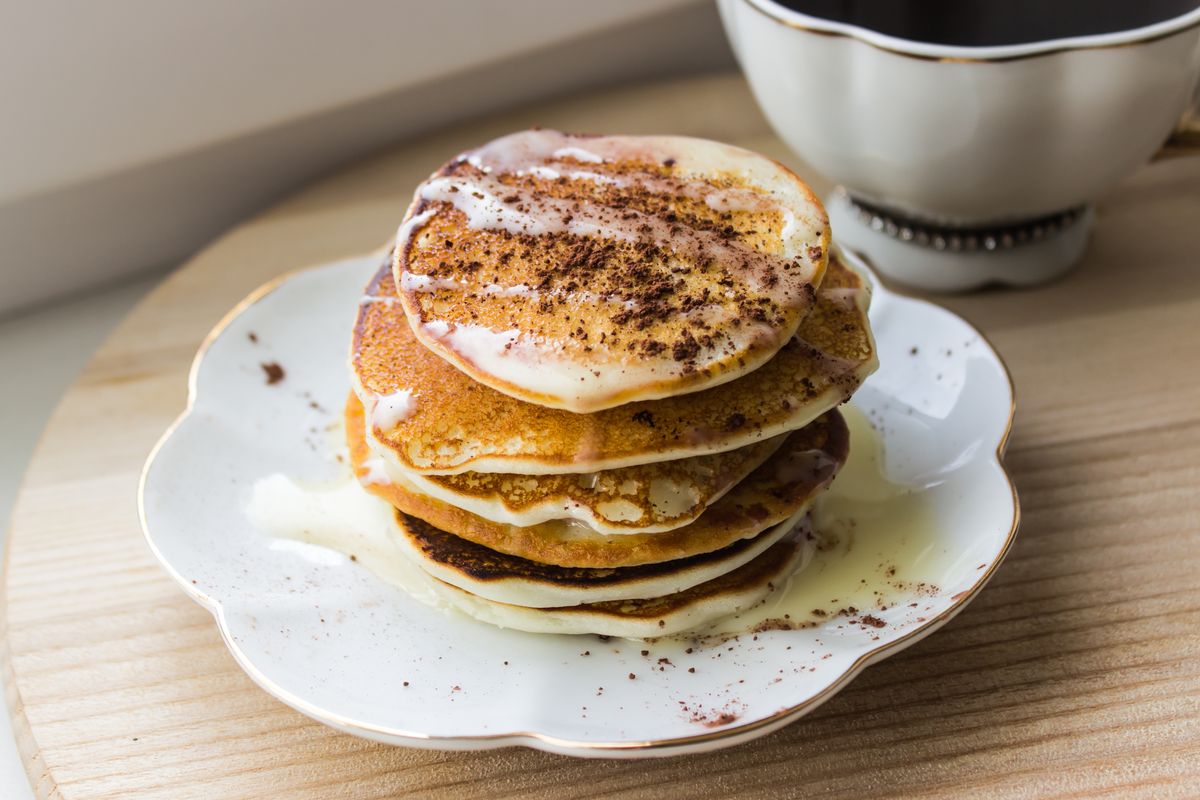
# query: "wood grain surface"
[1075,673]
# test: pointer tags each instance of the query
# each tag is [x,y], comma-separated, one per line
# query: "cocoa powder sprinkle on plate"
[274,372]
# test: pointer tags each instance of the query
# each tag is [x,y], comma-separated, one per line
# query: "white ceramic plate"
[330,639]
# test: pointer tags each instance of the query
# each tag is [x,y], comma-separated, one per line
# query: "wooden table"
[1077,672]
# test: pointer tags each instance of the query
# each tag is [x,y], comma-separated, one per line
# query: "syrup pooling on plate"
[341,517]
[874,546]
[584,272]
[877,549]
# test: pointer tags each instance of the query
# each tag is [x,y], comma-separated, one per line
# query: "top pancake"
[585,272]
[427,417]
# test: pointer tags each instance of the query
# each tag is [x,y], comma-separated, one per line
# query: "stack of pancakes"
[596,377]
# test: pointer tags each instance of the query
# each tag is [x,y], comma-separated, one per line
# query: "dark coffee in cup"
[988,23]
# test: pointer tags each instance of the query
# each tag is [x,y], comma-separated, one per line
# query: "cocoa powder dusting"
[274,372]
[645,287]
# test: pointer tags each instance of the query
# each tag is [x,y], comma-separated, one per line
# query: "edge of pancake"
[497,509]
[721,597]
[748,360]
[698,444]
[721,524]
[518,581]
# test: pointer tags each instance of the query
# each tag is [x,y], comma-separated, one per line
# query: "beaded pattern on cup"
[1002,237]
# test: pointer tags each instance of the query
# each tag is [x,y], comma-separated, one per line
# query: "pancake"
[782,486]
[430,418]
[586,272]
[517,581]
[648,499]
[738,590]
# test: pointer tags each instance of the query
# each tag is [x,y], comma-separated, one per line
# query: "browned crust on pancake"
[783,394]
[765,571]
[484,564]
[757,503]
[708,476]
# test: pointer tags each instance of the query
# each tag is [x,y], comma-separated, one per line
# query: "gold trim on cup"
[790,23]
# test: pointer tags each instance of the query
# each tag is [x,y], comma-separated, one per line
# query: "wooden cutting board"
[1077,672]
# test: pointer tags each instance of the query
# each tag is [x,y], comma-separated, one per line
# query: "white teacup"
[965,165]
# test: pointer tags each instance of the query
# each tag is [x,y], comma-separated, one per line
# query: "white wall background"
[131,131]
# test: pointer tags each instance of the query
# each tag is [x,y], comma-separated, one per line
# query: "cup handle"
[1185,139]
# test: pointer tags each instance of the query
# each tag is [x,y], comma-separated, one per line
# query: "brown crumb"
[723,718]
[645,418]
[274,372]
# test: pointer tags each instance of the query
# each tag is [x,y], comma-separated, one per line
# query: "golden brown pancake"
[785,484]
[585,272]
[644,499]
[720,597]
[448,423]
[518,581]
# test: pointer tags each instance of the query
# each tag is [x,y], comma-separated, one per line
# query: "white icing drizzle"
[579,154]
[514,154]
[409,226]
[721,200]
[376,471]
[597,177]
[412,282]
[789,225]
[519,290]
[520,151]
[426,283]
[389,410]
[437,328]
[559,368]
[474,342]
[528,212]
[478,200]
